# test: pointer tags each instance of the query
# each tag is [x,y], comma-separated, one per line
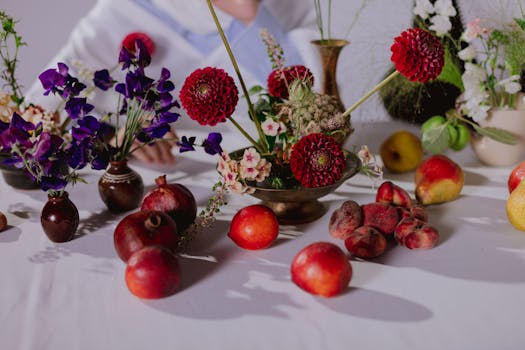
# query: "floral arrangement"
[491,59]
[298,129]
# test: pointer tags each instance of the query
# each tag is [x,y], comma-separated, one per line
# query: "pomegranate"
[174,199]
[3,222]
[144,228]
[152,272]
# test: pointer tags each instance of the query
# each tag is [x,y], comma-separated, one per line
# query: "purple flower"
[140,58]
[58,81]
[103,80]
[212,145]
[18,132]
[186,144]
[77,107]
[47,145]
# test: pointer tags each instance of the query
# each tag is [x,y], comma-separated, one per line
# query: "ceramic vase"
[494,153]
[14,177]
[59,218]
[120,187]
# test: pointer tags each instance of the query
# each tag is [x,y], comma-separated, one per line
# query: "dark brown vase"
[14,177]
[121,188]
[59,218]
[330,50]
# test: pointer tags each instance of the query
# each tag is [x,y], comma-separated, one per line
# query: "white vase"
[494,153]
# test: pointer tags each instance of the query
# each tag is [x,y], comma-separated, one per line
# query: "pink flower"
[474,30]
[250,158]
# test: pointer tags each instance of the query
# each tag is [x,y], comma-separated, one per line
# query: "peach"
[391,193]
[417,211]
[366,242]
[515,176]
[345,219]
[416,234]
[152,273]
[321,268]
[381,216]
[254,227]
[438,179]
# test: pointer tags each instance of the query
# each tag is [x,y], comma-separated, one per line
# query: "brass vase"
[120,187]
[330,49]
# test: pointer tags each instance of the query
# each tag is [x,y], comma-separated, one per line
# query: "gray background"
[45,26]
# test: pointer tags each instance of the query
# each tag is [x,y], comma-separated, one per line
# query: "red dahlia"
[317,160]
[418,55]
[209,96]
[129,42]
[280,79]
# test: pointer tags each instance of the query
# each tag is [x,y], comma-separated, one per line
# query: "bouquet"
[297,145]
[492,59]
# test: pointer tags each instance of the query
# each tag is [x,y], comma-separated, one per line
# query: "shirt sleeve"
[250,50]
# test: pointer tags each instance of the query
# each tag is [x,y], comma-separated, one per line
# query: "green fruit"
[463,137]
[453,134]
[432,122]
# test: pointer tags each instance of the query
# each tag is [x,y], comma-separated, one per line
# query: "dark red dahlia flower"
[317,160]
[418,55]
[129,42]
[209,96]
[280,79]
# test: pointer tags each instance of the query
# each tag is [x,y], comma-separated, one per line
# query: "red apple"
[321,268]
[254,227]
[152,272]
[174,199]
[516,175]
[144,228]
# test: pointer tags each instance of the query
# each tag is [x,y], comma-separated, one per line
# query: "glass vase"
[120,187]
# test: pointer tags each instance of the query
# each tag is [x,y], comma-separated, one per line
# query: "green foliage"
[9,38]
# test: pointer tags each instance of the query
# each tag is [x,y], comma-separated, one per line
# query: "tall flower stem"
[370,93]
[263,147]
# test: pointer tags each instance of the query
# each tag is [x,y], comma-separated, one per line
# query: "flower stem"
[370,93]
[245,134]
[251,110]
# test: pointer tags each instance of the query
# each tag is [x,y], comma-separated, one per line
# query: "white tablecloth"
[467,293]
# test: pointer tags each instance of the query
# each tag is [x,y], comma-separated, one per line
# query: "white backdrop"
[45,25]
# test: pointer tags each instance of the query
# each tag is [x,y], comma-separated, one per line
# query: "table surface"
[467,293]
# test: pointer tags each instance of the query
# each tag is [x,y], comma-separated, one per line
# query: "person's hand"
[159,152]
[243,10]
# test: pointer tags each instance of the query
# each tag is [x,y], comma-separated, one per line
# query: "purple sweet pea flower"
[47,145]
[212,145]
[77,107]
[51,81]
[103,80]
[186,144]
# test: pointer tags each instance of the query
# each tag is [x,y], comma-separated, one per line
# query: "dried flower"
[317,160]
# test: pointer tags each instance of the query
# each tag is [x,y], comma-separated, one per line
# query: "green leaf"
[255,90]
[520,22]
[496,134]
[451,73]
[435,140]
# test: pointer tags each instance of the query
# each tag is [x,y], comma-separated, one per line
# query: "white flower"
[270,127]
[248,173]
[474,30]
[440,24]
[264,168]
[445,8]
[468,53]
[511,84]
[423,8]
[250,158]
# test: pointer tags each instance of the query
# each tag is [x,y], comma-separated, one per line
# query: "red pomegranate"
[174,199]
[144,228]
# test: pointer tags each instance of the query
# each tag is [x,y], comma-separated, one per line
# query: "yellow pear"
[516,207]
[401,152]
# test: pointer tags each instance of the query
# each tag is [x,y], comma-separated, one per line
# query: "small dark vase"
[14,177]
[121,188]
[59,218]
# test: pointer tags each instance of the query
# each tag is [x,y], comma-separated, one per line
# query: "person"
[186,38]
